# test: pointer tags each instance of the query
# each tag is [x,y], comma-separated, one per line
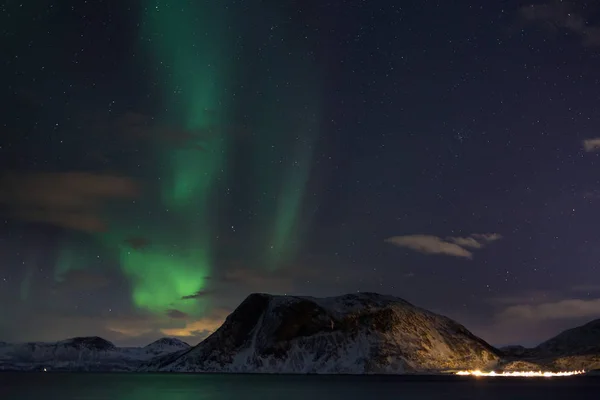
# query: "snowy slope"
[576,348]
[581,340]
[165,346]
[573,349]
[357,333]
[82,354]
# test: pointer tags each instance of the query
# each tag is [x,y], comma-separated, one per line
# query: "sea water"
[91,386]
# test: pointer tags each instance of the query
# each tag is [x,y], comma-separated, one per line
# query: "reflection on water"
[51,386]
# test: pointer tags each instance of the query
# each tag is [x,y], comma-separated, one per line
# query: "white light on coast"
[525,374]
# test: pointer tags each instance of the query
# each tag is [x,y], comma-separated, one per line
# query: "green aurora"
[293,172]
[178,259]
[192,54]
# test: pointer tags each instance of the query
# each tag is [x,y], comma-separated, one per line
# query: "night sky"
[161,160]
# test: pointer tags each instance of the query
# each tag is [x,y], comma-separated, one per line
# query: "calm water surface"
[57,386]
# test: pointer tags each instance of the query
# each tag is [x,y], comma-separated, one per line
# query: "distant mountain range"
[83,354]
[354,334]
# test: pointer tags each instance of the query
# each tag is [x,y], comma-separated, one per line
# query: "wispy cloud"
[562,15]
[591,145]
[487,237]
[198,295]
[531,318]
[562,309]
[533,297]
[200,327]
[137,243]
[82,280]
[139,126]
[452,246]
[465,242]
[586,288]
[70,200]
[176,314]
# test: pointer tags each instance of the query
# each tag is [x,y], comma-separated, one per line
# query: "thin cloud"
[586,288]
[71,200]
[203,326]
[591,145]
[429,245]
[176,314]
[487,237]
[64,190]
[138,126]
[563,309]
[82,280]
[465,242]
[534,319]
[76,220]
[533,297]
[198,295]
[451,246]
[137,243]
[562,15]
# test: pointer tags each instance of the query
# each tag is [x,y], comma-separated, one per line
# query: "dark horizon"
[192,344]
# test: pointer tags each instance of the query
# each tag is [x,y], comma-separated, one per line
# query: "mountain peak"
[168,341]
[583,339]
[94,342]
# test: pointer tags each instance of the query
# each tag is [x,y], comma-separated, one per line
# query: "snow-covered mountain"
[574,349]
[356,333]
[83,354]
[166,346]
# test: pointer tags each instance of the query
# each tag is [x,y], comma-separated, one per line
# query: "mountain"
[581,340]
[83,354]
[574,349]
[166,346]
[514,351]
[355,334]
[352,334]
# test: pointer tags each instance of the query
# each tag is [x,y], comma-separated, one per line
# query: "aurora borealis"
[160,160]
[196,73]
[164,241]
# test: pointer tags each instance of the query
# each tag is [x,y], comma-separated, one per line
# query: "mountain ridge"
[572,349]
[355,333]
[87,353]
